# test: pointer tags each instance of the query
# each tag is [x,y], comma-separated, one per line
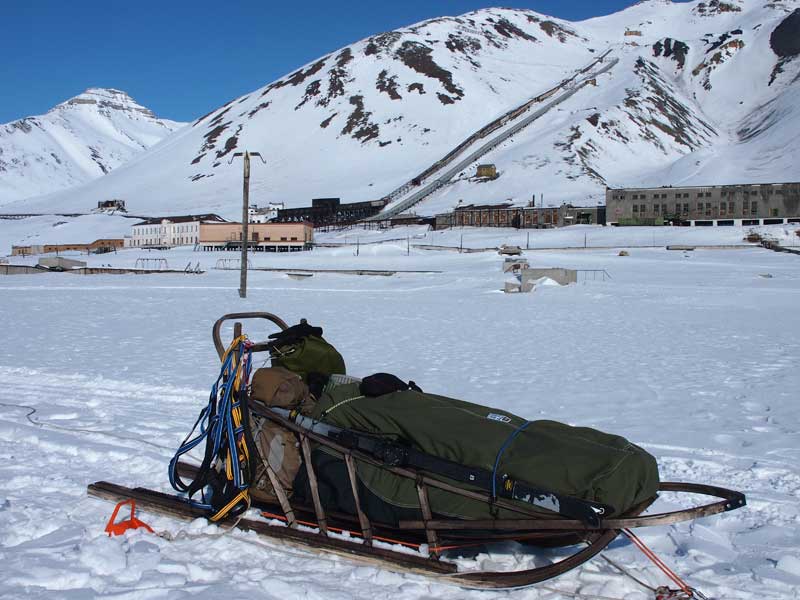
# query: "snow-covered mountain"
[703,92]
[78,140]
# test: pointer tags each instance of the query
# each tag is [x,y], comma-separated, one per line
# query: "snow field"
[690,354]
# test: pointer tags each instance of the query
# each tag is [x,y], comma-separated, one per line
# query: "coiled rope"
[225,475]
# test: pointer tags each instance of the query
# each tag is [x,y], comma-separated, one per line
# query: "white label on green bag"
[496,417]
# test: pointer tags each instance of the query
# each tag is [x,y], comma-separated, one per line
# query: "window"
[708,194]
[722,207]
[686,208]
[635,196]
[731,207]
[699,207]
[754,208]
[655,209]
[636,209]
[663,209]
[686,195]
[677,208]
[773,212]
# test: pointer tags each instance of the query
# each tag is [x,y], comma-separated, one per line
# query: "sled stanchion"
[280,493]
[366,528]
[215,333]
[427,515]
[312,482]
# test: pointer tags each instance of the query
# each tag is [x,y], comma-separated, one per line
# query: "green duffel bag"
[302,350]
[576,461]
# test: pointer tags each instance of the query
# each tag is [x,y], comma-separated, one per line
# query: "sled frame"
[532,524]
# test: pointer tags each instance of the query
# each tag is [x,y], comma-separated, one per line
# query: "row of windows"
[162,229]
[174,241]
[680,195]
[254,237]
[707,208]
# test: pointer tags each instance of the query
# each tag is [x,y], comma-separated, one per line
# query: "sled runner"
[285,442]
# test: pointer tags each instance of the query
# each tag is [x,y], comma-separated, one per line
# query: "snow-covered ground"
[691,354]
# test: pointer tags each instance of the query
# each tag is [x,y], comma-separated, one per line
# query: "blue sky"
[182,59]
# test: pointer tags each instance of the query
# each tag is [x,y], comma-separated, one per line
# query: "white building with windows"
[168,232]
[264,214]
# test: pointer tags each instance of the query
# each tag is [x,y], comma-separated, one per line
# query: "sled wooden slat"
[427,516]
[730,501]
[366,529]
[280,493]
[312,481]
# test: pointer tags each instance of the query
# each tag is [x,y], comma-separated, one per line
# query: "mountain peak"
[106,99]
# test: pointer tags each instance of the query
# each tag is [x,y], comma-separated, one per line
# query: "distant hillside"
[79,140]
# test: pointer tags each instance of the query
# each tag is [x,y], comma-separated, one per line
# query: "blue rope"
[505,445]
[221,424]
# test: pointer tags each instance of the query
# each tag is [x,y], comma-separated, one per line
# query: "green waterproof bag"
[311,354]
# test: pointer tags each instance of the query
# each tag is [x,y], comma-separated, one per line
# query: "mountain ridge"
[79,139]
[362,120]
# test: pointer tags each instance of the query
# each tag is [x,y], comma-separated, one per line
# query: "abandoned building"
[96,247]
[111,205]
[521,217]
[489,171]
[745,204]
[331,212]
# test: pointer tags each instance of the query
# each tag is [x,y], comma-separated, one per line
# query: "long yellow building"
[269,237]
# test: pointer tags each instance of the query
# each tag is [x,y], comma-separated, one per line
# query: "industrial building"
[521,217]
[263,237]
[745,204]
[331,211]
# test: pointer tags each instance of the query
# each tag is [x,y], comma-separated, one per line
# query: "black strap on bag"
[396,455]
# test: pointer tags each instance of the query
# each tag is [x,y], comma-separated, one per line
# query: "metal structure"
[151,264]
[231,264]
[436,175]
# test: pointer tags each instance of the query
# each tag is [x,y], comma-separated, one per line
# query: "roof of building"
[484,206]
[698,187]
[182,219]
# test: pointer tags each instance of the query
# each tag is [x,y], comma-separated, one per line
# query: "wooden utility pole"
[245,216]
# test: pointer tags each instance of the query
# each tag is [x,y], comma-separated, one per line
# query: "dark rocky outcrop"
[358,123]
[672,48]
[785,40]
[388,85]
[418,57]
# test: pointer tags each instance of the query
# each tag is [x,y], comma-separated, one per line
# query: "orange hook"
[113,528]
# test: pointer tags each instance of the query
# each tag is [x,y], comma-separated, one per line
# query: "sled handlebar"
[257,347]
